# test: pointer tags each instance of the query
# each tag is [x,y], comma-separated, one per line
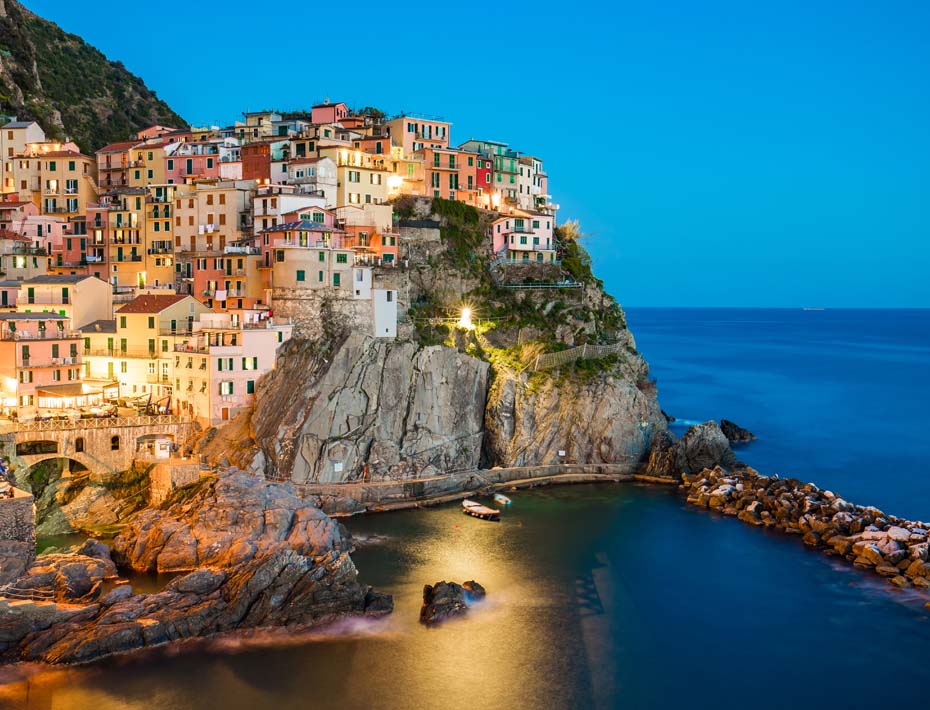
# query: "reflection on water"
[599,596]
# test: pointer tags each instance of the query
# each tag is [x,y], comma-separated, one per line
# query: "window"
[151,321]
[114,443]
[226,388]
[342,258]
[301,275]
[335,279]
[250,387]
[250,363]
[122,321]
[79,444]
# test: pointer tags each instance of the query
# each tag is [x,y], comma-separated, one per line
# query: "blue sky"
[719,153]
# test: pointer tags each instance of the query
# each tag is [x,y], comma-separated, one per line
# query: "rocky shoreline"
[255,556]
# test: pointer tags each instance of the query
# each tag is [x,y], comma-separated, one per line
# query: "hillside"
[68,86]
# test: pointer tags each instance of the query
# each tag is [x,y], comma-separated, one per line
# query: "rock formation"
[735,433]
[702,446]
[258,556]
[445,600]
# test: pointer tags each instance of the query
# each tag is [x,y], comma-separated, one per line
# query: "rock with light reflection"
[445,600]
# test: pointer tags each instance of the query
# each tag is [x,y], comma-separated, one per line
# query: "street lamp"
[465,319]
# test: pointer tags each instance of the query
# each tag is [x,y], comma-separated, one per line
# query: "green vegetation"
[575,260]
[462,232]
[51,73]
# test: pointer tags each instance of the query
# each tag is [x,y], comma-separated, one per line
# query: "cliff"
[344,406]
[69,87]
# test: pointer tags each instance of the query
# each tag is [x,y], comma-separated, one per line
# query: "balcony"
[48,299]
[124,258]
[52,334]
[33,362]
[115,352]
[161,250]
[156,379]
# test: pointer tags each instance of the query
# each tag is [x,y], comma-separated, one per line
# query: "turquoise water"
[620,596]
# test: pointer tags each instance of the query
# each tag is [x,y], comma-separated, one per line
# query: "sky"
[716,153]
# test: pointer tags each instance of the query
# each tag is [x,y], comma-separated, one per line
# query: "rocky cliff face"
[68,86]
[605,419]
[399,409]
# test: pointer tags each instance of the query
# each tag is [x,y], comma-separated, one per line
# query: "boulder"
[444,600]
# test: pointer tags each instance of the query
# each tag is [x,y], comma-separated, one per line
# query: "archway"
[36,448]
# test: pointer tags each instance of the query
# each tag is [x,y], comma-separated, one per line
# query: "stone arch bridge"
[104,446]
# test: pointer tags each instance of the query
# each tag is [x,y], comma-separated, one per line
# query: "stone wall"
[167,477]
[17,535]
[311,308]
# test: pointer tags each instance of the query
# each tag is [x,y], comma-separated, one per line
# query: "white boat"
[501,499]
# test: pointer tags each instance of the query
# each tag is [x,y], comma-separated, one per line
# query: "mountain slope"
[68,86]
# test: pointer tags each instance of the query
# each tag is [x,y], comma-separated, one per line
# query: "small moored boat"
[477,510]
[501,499]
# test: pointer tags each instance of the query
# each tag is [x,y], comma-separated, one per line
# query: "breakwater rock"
[257,556]
[892,547]
[445,600]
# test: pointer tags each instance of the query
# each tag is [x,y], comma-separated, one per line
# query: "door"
[225,413]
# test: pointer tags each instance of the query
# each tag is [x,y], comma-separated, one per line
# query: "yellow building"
[361,178]
[159,258]
[137,348]
[147,164]
[68,182]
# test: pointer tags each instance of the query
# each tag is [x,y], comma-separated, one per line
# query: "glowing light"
[465,320]
[394,182]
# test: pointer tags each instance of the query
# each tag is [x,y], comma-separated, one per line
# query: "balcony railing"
[116,352]
[127,257]
[48,334]
[34,362]
[157,379]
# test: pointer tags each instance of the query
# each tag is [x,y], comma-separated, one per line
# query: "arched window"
[114,443]
[79,444]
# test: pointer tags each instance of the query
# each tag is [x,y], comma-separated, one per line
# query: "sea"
[622,596]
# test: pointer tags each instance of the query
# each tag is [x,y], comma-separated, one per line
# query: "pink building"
[40,364]
[186,161]
[329,113]
[525,237]
[13,212]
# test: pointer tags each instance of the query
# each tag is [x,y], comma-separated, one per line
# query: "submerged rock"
[735,433]
[444,600]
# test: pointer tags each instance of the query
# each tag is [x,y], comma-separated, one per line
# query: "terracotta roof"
[61,154]
[118,147]
[150,303]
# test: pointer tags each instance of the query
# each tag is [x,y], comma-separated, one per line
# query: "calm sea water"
[619,596]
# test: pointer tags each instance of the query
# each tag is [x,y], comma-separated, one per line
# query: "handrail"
[101,422]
